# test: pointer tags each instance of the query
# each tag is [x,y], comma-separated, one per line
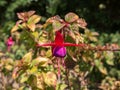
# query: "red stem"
[63,62]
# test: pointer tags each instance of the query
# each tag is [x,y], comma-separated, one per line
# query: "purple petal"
[59,51]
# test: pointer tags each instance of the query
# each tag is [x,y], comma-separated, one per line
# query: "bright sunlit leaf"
[50,79]
[31,26]
[27,58]
[41,61]
[34,19]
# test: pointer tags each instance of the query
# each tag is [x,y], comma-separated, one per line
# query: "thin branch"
[101,48]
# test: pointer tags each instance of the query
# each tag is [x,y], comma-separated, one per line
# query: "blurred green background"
[101,15]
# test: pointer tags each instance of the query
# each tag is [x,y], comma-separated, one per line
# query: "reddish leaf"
[25,15]
[21,15]
[30,13]
[58,25]
[71,17]
[81,23]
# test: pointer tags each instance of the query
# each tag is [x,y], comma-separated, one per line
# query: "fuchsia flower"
[9,43]
[59,46]
[59,49]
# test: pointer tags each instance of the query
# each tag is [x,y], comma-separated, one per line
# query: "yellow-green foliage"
[87,67]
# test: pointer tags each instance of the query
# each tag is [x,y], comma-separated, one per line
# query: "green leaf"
[9,67]
[74,27]
[24,78]
[32,80]
[15,28]
[41,61]
[109,58]
[49,53]
[71,17]
[100,66]
[33,70]
[34,19]
[26,88]
[42,40]
[27,58]
[50,78]
[21,88]
[57,25]
[37,81]
[31,26]
[91,35]
[35,34]
[61,86]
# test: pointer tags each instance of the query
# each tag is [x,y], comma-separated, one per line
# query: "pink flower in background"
[9,43]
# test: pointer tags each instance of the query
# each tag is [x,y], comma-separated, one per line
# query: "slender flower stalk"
[59,71]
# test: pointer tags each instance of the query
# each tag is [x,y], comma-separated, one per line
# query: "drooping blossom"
[59,49]
[59,46]
[9,43]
